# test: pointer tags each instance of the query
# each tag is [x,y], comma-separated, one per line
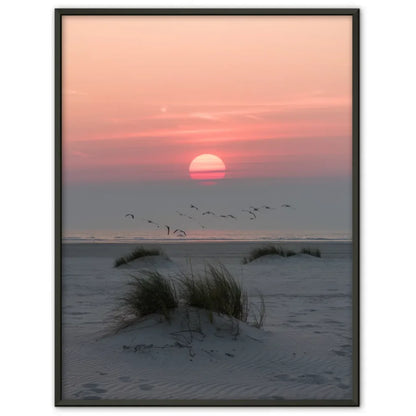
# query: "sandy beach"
[303,351]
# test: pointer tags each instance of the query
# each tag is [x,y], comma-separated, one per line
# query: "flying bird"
[130,215]
[287,206]
[195,207]
[185,215]
[267,207]
[228,216]
[254,208]
[201,225]
[181,232]
[152,222]
[208,213]
[251,213]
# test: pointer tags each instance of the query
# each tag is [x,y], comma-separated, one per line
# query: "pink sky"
[144,95]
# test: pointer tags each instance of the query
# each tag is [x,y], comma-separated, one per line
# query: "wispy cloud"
[77,153]
[74,92]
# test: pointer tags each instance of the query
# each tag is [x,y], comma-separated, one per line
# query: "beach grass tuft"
[216,291]
[267,250]
[311,252]
[278,251]
[137,253]
[149,293]
[261,313]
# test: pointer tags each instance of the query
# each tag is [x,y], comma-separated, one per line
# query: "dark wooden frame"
[355,14]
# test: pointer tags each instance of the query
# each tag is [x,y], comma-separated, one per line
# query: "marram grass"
[278,251]
[149,293]
[266,250]
[311,252]
[137,253]
[216,291]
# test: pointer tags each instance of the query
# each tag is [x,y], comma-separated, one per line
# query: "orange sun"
[207,167]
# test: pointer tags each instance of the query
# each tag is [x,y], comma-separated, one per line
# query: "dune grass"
[261,313]
[266,250]
[278,251]
[216,291]
[311,252]
[137,253]
[149,293]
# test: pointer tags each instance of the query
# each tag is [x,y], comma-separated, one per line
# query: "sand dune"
[190,358]
[303,351]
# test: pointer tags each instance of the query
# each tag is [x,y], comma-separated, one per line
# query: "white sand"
[302,352]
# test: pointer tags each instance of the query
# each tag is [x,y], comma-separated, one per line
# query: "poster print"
[207,207]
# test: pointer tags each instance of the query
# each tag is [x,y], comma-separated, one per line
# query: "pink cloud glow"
[142,96]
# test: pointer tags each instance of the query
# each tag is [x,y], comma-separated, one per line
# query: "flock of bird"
[252,211]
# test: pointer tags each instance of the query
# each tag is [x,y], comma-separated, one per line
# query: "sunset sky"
[269,95]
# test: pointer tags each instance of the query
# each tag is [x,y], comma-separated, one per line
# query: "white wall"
[387,155]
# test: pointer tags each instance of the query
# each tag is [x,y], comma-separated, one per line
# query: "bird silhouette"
[194,207]
[228,216]
[201,225]
[152,222]
[185,215]
[167,228]
[267,207]
[181,232]
[130,215]
[254,208]
[250,212]
[208,213]
[287,206]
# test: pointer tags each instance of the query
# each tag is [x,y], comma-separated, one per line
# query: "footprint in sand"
[97,390]
[91,388]
[284,377]
[90,385]
[340,353]
[312,379]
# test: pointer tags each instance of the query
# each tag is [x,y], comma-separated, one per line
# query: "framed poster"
[207,207]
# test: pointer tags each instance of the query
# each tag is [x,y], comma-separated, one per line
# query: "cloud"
[77,153]
[74,92]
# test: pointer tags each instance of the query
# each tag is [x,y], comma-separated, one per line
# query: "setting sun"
[207,167]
